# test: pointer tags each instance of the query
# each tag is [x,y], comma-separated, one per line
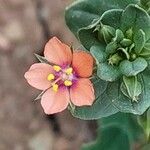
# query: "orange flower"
[64,82]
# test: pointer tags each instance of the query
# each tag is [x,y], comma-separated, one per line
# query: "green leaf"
[112,18]
[89,32]
[124,91]
[129,68]
[108,72]
[81,14]
[112,132]
[144,121]
[146,51]
[86,33]
[127,122]
[110,138]
[132,88]
[124,104]
[117,98]
[99,86]
[89,38]
[102,106]
[98,53]
[136,18]
[119,36]
[139,40]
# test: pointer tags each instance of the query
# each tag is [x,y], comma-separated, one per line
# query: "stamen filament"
[56,80]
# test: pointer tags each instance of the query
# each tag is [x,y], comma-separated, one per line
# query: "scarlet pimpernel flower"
[65,79]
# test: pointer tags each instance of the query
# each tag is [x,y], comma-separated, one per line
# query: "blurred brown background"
[25,27]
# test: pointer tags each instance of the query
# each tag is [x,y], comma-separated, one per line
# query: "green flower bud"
[111,48]
[115,59]
[129,34]
[133,56]
[106,33]
[126,42]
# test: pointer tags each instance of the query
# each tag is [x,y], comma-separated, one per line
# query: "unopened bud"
[106,33]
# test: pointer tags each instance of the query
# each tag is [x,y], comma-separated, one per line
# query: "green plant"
[117,34]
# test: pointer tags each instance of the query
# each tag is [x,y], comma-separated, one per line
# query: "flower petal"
[58,53]
[82,92]
[82,63]
[37,75]
[54,102]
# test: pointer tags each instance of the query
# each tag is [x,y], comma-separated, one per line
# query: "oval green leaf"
[129,68]
[108,72]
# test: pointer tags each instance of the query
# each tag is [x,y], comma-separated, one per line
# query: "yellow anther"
[67,83]
[55,87]
[69,71]
[56,68]
[50,77]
